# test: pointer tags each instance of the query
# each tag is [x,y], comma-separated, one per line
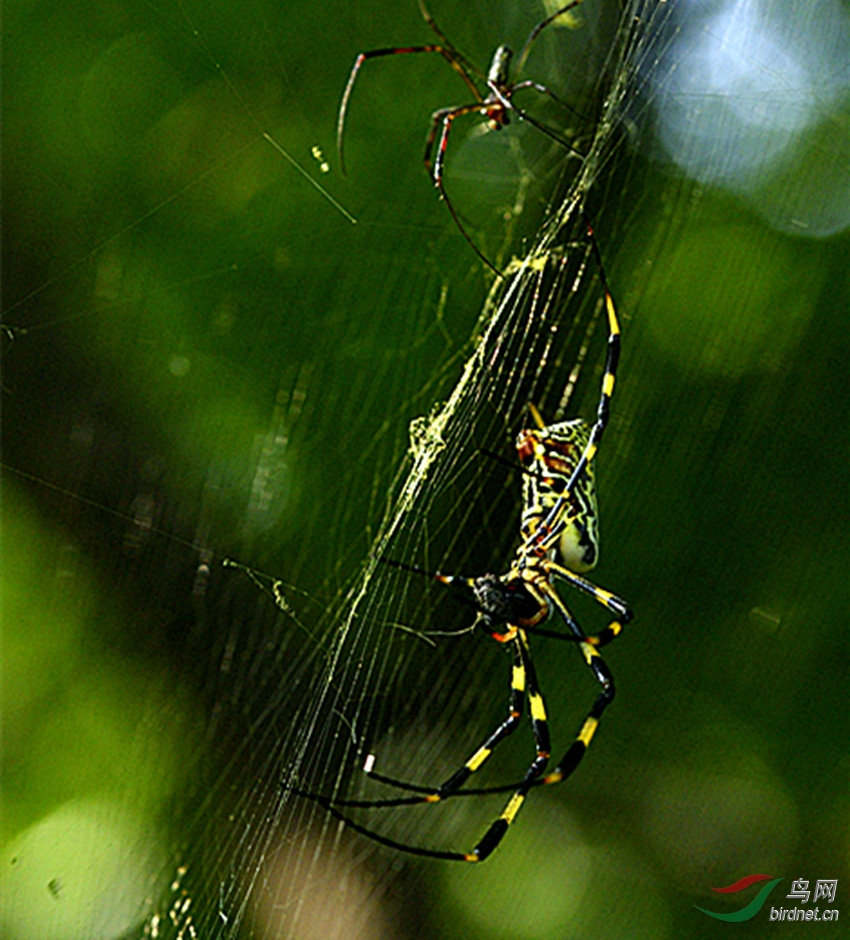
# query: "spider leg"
[602,674]
[612,360]
[566,766]
[497,829]
[576,751]
[524,682]
[447,52]
[426,15]
[504,98]
[616,605]
[543,90]
[548,527]
[538,29]
[437,121]
[384,840]
[446,116]
[523,677]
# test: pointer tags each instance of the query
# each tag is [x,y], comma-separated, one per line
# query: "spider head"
[503,603]
[506,602]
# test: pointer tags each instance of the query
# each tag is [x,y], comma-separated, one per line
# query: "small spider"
[495,105]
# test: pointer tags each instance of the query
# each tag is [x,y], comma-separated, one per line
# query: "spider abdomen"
[549,456]
[500,67]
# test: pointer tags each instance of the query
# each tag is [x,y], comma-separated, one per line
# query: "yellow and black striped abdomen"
[549,455]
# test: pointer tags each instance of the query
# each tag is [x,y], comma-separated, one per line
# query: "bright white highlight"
[756,100]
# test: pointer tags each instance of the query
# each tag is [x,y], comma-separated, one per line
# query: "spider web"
[300,689]
[380,679]
[331,442]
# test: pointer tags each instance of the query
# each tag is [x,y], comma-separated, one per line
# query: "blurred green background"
[203,358]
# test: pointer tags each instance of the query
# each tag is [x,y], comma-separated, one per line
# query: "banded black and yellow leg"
[576,633]
[485,846]
[537,711]
[328,805]
[523,684]
[576,751]
[497,829]
[494,835]
[612,359]
[567,764]
[616,605]
[519,678]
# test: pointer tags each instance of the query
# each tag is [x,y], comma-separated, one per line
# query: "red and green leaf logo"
[751,909]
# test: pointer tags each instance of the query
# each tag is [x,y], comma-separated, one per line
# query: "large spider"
[559,539]
[495,105]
